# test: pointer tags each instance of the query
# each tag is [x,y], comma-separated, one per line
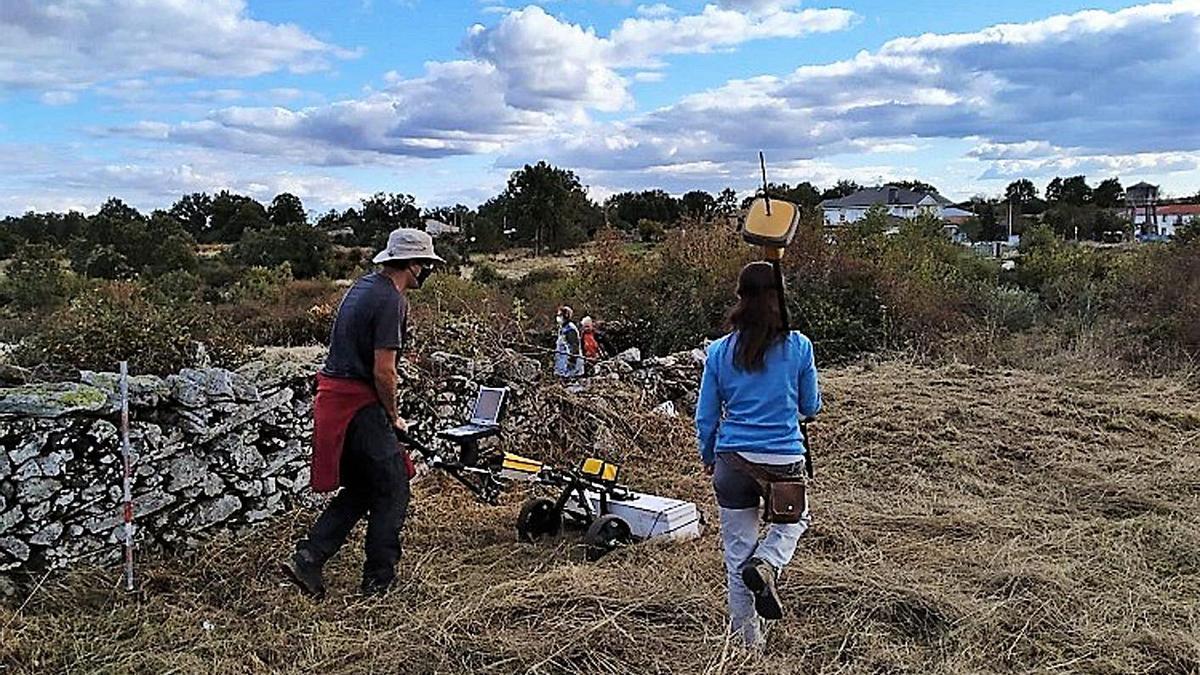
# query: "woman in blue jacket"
[758,382]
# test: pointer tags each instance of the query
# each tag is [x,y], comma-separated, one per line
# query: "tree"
[698,205]
[990,221]
[305,248]
[383,212]
[1073,191]
[35,279]
[630,208]
[286,209]
[803,194]
[172,248]
[1109,194]
[194,211]
[915,186]
[1020,192]
[547,206]
[233,214]
[843,188]
[727,204]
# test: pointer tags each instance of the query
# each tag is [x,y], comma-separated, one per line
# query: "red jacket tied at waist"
[338,401]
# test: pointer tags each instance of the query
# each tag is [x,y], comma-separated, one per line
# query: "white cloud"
[655,11]
[549,63]
[456,108]
[60,45]
[154,180]
[59,97]
[1022,150]
[1067,164]
[531,74]
[546,63]
[758,6]
[1090,84]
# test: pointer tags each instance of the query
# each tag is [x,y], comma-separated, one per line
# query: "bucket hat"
[408,244]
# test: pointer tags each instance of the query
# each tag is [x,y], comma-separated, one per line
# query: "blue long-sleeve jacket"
[756,411]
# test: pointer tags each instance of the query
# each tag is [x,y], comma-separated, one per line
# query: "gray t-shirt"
[372,316]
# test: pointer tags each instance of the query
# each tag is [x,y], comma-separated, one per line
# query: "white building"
[437,228]
[1171,217]
[900,202]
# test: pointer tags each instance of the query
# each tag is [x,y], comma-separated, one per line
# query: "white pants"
[741,541]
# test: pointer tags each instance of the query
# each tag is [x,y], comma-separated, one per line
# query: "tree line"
[542,206]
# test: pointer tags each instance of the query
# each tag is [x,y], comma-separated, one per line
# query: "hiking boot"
[306,574]
[375,589]
[759,577]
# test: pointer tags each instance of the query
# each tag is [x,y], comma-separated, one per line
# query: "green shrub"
[179,286]
[304,248]
[1158,295]
[486,274]
[118,321]
[37,279]
[285,313]
[545,290]
[1010,309]
[260,285]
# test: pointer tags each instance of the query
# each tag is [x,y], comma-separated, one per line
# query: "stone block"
[15,548]
[51,400]
[37,490]
[47,535]
[11,518]
[54,463]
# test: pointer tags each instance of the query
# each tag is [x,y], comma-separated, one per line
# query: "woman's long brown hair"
[756,316]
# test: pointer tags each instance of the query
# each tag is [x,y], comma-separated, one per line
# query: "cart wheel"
[606,534]
[538,519]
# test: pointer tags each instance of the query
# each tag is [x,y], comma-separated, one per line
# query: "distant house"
[1171,217]
[900,203]
[437,228]
[1153,217]
[1141,200]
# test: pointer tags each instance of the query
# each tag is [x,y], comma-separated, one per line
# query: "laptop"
[485,415]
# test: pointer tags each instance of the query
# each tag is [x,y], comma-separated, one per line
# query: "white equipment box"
[649,516]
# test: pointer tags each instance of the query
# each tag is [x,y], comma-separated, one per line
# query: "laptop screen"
[487,406]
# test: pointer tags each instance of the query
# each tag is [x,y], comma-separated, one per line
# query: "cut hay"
[966,520]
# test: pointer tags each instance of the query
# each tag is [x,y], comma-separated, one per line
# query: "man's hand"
[400,424]
[709,469]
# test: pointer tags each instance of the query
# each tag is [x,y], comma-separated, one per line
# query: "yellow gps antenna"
[771,224]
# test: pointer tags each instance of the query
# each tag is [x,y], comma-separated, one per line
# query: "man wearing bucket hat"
[355,420]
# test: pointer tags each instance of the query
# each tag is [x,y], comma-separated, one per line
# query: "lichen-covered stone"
[15,547]
[53,463]
[51,400]
[35,490]
[215,511]
[47,535]
[145,391]
[188,387]
[11,518]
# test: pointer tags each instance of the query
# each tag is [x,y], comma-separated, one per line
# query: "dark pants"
[374,484]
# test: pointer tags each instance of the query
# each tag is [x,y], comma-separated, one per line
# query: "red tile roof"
[1179,210]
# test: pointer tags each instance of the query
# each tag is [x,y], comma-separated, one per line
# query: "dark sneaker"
[759,577]
[375,589]
[306,574]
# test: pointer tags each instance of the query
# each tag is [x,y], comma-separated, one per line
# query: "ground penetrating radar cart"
[589,497]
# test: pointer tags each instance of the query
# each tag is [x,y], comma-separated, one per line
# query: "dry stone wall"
[219,450]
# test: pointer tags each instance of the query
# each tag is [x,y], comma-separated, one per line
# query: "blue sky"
[335,100]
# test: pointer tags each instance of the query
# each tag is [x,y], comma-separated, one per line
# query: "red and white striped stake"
[127,482]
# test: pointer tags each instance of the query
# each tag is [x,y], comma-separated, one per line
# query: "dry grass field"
[966,520]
